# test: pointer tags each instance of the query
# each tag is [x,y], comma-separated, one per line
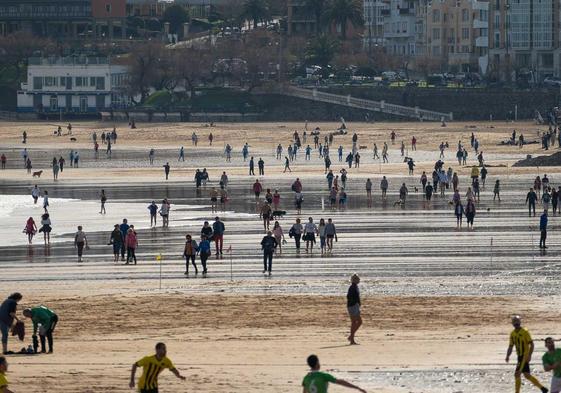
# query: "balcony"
[482,42]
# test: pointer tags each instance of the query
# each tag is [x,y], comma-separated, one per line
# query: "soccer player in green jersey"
[317,382]
[552,362]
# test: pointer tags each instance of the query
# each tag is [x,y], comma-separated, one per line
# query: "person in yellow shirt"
[152,366]
[3,380]
[521,339]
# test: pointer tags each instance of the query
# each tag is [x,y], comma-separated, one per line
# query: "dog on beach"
[399,202]
[37,174]
[73,139]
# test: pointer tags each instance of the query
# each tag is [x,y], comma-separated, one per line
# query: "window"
[465,33]
[100,102]
[465,15]
[92,81]
[435,16]
[497,41]
[404,27]
[37,83]
[497,21]
[100,83]
[108,8]
[435,34]
[53,103]
[465,48]
[50,81]
[436,50]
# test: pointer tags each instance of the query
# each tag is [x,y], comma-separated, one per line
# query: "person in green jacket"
[48,320]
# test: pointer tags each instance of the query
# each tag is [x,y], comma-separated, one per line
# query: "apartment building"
[399,27]
[456,33]
[524,37]
[373,36]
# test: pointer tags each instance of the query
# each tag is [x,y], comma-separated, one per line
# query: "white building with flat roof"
[73,85]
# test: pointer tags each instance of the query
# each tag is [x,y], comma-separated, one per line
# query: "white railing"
[378,106]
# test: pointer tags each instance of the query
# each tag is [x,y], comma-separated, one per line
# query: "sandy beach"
[437,298]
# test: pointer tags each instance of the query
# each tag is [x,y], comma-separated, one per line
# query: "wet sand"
[437,299]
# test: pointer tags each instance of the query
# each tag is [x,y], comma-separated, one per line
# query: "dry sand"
[258,342]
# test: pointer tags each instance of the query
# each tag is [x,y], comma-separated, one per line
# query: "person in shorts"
[353,307]
[521,339]
[552,362]
[152,366]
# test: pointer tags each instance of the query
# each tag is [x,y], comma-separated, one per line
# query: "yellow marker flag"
[159,258]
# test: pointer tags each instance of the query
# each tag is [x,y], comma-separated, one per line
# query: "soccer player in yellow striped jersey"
[152,366]
[521,339]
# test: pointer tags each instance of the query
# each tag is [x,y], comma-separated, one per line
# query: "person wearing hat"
[521,339]
[48,320]
[353,307]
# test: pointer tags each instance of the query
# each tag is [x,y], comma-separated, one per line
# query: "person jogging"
[353,307]
[317,382]
[44,322]
[551,361]
[521,339]
[152,366]
[268,244]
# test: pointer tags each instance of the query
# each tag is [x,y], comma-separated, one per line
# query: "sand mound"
[551,160]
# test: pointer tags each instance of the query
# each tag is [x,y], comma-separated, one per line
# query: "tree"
[17,48]
[255,11]
[321,50]
[144,72]
[317,9]
[193,66]
[341,12]
[176,15]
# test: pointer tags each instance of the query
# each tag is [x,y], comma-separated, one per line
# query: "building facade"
[524,37]
[64,18]
[374,23]
[76,85]
[457,34]
[399,27]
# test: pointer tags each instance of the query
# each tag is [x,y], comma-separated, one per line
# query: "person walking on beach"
[117,241]
[124,227]
[28,165]
[103,199]
[4,160]
[151,156]
[551,361]
[35,193]
[522,340]
[296,232]
[204,252]
[190,253]
[213,200]
[369,192]
[8,311]
[384,187]
[353,307]
[56,169]
[181,156]
[310,231]
[131,242]
[257,188]
[164,212]
[218,229]
[251,167]
[459,212]
[268,245]
[279,235]
[543,229]
[30,229]
[166,170]
[46,228]
[152,366]
[46,201]
[470,212]
[266,214]
[497,190]
[61,162]
[261,166]
[80,240]
[531,199]
[286,165]
[44,322]
[330,234]
[153,208]
[317,382]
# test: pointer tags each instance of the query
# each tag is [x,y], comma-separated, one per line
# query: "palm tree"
[317,8]
[341,12]
[321,50]
[255,11]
